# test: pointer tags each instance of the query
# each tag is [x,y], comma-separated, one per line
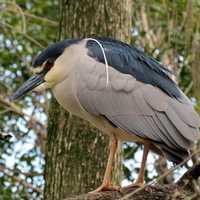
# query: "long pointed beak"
[30,84]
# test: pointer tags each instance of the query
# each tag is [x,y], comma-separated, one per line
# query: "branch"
[185,188]
[150,36]
[32,122]
[4,136]
[31,39]
[42,19]
[18,111]
[8,7]
[19,180]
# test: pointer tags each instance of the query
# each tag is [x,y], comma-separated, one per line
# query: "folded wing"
[138,108]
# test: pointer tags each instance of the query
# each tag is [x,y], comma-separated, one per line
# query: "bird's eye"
[49,64]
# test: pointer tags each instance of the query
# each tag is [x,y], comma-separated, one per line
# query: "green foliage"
[166,29]
[25,28]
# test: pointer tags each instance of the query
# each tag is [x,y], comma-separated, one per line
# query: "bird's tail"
[174,155]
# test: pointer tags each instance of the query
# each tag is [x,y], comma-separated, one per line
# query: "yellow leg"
[107,176]
[140,179]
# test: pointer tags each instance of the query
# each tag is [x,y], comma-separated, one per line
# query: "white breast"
[65,94]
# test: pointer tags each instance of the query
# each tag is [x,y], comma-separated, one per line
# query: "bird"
[125,93]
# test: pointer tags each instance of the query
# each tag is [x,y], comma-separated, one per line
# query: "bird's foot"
[135,185]
[103,188]
[139,185]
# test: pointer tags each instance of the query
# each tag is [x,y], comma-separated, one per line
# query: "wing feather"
[188,132]
[186,113]
[177,140]
[138,108]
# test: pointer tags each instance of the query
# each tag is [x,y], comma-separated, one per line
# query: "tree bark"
[183,189]
[76,153]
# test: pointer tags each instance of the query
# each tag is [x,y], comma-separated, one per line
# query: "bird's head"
[46,68]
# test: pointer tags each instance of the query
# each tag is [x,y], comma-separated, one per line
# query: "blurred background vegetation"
[168,30]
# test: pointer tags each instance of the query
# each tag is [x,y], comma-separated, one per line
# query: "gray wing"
[138,108]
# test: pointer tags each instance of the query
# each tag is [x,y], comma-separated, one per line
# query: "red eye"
[49,64]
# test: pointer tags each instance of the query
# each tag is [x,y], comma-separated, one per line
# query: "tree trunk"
[76,153]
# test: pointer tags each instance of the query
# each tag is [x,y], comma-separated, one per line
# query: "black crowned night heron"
[123,92]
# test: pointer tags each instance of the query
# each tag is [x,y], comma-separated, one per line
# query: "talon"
[139,183]
[134,185]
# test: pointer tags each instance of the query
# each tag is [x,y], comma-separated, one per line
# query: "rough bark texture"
[182,190]
[76,154]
